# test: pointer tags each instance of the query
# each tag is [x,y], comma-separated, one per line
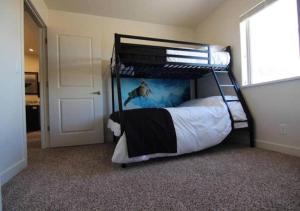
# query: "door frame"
[43,73]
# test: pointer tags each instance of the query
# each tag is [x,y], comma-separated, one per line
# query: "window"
[270,42]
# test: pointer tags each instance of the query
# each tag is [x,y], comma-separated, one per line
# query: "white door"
[75,101]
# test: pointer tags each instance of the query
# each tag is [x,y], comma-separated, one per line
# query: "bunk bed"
[144,57]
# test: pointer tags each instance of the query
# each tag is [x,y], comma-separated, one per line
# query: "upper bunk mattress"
[144,54]
[216,58]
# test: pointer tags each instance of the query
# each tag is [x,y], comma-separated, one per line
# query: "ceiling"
[31,35]
[187,13]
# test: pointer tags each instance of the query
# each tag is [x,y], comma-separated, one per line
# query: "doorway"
[35,71]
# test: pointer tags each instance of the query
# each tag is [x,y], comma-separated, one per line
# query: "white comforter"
[199,124]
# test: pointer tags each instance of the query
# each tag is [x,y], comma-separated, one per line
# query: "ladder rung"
[237,121]
[220,71]
[227,85]
[232,100]
[242,128]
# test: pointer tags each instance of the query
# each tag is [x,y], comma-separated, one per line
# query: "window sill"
[271,82]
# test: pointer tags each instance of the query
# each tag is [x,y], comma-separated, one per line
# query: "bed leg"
[123,165]
[115,139]
[252,141]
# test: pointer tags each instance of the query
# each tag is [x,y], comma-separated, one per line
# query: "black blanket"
[148,131]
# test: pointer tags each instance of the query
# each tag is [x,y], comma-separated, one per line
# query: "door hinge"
[46,41]
[47,84]
[48,128]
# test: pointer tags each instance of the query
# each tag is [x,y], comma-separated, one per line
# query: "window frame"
[298,9]
[244,18]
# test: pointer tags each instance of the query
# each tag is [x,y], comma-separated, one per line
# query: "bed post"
[118,67]
[112,85]
[112,77]
[298,9]
[196,87]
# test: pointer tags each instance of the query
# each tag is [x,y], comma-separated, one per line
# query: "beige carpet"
[34,139]
[228,177]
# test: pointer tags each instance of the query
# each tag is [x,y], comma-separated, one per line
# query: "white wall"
[13,150]
[270,104]
[13,156]
[104,28]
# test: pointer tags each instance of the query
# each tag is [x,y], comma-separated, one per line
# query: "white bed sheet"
[197,127]
[236,108]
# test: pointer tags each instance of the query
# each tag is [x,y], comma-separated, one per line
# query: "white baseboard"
[291,150]
[12,171]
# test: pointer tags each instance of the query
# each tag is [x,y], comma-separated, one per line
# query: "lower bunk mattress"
[199,124]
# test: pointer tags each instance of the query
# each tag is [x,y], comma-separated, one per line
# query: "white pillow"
[208,101]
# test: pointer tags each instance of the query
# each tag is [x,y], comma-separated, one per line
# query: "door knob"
[96,93]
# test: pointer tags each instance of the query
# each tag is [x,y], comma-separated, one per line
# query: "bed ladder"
[240,99]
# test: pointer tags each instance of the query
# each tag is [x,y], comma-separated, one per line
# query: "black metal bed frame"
[129,61]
